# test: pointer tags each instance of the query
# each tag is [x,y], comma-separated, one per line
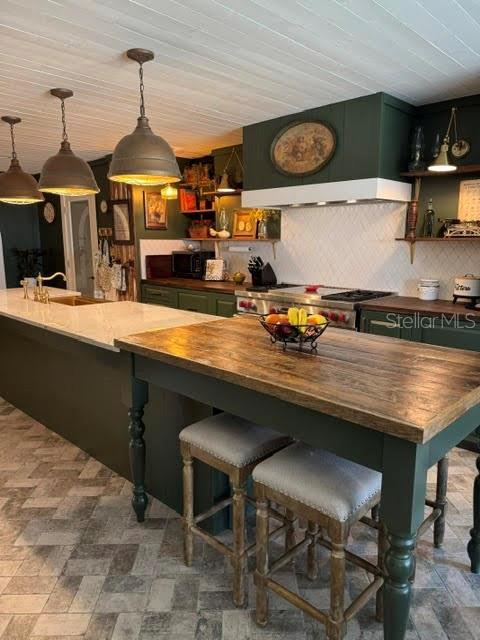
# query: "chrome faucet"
[40,293]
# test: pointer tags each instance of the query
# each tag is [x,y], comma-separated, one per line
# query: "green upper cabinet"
[372,141]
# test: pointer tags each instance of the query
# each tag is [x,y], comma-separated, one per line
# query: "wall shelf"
[219,241]
[191,212]
[464,168]
[412,242]
[219,194]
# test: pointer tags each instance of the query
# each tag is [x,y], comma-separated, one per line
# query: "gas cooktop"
[270,287]
[355,295]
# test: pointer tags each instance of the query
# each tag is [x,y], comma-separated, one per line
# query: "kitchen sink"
[76,301]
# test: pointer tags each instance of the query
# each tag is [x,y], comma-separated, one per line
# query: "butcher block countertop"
[393,386]
[198,285]
[401,304]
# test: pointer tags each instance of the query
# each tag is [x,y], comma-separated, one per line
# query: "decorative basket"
[306,334]
[198,229]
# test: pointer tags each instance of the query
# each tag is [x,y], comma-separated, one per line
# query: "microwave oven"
[190,264]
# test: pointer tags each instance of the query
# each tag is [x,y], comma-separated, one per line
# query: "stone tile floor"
[74,563]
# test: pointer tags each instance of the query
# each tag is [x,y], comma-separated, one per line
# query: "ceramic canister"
[428,289]
[467,286]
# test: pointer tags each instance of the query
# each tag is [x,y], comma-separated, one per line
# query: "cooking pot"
[467,286]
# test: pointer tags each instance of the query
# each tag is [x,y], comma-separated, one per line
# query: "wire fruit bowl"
[304,334]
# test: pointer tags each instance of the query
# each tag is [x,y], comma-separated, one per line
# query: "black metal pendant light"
[65,173]
[143,158]
[16,186]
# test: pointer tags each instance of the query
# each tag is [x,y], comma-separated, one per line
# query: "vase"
[417,147]
[262,230]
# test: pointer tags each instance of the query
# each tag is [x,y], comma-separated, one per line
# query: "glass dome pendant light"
[65,173]
[16,186]
[143,158]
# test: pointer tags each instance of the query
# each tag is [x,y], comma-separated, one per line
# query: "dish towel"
[3,281]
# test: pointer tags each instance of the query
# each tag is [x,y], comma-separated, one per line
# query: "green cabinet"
[217,304]
[193,301]
[386,324]
[224,306]
[443,331]
[165,296]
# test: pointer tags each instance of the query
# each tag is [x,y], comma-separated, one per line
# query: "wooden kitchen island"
[378,401]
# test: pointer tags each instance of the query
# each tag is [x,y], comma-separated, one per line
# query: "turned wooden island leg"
[474,544]
[137,447]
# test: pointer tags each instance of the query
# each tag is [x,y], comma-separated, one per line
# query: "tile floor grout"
[75,564]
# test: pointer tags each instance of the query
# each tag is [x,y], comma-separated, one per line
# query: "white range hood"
[346,191]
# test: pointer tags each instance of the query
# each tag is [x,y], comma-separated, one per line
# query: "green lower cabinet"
[224,306]
[216,304]
[387,324]
[166,296]
[193,301]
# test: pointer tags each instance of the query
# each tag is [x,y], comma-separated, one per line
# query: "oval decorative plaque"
[302,148]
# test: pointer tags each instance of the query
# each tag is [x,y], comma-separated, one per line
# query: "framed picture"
[155,208]
[122,221]
[244,225]
[303,148]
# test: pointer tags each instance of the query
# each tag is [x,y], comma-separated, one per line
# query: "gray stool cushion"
[332,485]
[233,439]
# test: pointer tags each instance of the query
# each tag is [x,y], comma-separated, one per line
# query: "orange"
[272,318]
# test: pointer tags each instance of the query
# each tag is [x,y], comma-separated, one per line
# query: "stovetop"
[341,298]
[270,287]
[355,295]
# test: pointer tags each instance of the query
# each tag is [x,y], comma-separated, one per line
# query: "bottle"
[429,220]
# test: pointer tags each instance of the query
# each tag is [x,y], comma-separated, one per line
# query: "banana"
[302,319]
[297,318]
[293,316]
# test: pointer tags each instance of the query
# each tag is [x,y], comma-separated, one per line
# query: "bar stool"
[234,446]
[331,494]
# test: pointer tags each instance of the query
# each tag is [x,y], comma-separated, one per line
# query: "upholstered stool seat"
[321,480]
[234,446]
[331,494]
[233,440]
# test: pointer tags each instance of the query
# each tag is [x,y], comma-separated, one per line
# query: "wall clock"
[49,212]
[302,148]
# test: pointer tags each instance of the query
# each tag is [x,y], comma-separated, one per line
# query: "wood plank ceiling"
[220,64]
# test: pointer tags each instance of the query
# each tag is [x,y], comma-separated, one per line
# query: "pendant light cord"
[12,136]
[64,122]
[142,88]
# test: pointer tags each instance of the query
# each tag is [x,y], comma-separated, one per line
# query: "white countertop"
[97,324]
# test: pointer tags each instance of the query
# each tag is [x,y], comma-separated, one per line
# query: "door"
[80,242]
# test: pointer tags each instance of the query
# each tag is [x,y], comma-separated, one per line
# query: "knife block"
[263,276]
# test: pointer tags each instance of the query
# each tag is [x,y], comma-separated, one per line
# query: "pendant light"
[143,158]
[442,163]
[16,186]
[225,186]
[65,173]
[169,192]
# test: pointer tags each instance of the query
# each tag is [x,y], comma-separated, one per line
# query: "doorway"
[80,243]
